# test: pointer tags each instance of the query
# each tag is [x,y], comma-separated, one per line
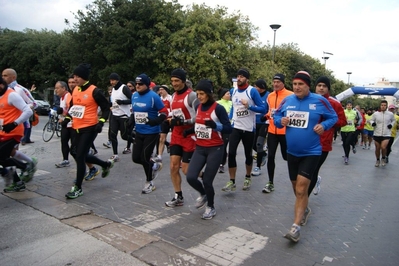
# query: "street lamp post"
[325,58]
[274,27]
[349,76]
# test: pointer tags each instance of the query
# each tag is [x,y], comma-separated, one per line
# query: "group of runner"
[303,123]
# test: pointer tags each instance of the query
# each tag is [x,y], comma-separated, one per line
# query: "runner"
[225,101]
[392,109]
[275,135]
[382,121]
[166,98]
[368,130]
[183,108]
[301,114]
[246,102]
[211,122]
[348,132]
[148,113]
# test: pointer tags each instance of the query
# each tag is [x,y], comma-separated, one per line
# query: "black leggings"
[260,136]
[66,135]
[389,147]
[209,156]
[313,180]
[142,150]
[247,139]
[226,138]
[348,139]
[272,142]
[81,143]
[6,147]
[118,123]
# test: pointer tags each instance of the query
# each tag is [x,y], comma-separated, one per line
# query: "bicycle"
[51,127]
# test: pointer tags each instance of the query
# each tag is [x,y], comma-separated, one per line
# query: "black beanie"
[279,77]
[243,72]
[325,80]
[304,76]
[180,74]
[114,76]
[222,92]
[261,83]
[166,88]
[143,78]
[205,85]
[83,71]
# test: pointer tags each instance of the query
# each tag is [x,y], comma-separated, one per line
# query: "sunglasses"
[139,84]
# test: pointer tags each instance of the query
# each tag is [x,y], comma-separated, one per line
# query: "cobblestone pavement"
[353,220]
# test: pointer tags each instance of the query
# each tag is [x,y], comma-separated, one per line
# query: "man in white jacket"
[382,121]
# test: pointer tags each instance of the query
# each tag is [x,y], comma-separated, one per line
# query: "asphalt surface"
[353,221]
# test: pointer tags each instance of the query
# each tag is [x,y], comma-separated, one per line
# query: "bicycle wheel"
[58,128]
[48,131]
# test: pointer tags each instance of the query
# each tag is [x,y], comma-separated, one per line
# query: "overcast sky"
[361,34]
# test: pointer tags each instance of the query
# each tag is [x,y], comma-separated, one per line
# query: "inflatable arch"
[390,91]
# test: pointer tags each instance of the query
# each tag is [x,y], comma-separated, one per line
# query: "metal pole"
[274,43]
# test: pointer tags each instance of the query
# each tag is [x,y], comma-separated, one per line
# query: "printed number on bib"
[178,113]
[77,111]
[141,117]
[242,112]
[350,122]
[298,119]
[115,105]
[202,132]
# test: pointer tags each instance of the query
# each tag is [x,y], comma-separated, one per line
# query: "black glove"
[373,124]
[65,122]
[119,102]
[210,123]
[263,118]
[99,127]
[9,127]
[176,121]
[156,121]
[188,132]
[389,126]
[60,110]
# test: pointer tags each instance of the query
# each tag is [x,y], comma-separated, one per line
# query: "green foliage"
[153,37]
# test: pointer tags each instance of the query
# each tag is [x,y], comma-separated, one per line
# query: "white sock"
[20,156]
[159,156]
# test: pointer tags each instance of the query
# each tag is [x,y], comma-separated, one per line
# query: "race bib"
[350,122]
[272,111]
[202,132]
[298,119]
[77,111]
[1,124]
[115,105]
[242,112]
[179,113]
[141,117]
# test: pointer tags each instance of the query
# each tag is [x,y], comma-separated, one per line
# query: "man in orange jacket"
[275,135]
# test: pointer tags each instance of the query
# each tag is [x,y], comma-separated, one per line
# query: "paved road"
[353,221]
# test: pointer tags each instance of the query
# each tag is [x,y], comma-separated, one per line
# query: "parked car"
[43,107]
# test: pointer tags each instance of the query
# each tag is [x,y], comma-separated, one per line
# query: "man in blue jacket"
[306,116]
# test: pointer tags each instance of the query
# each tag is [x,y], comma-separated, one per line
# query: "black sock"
[247,176]
[179,194]
[233,180]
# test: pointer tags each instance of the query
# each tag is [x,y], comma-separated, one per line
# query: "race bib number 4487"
[298,119]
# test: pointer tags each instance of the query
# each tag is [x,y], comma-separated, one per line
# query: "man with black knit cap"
[261,128]
[148,114]
[121,99]
[86,98]
[246,102]
[183,108]
[306,116]
[275,135]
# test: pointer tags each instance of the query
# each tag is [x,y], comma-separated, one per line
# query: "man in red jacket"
[323,87]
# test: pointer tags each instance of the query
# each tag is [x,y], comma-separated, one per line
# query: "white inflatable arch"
[390,91]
